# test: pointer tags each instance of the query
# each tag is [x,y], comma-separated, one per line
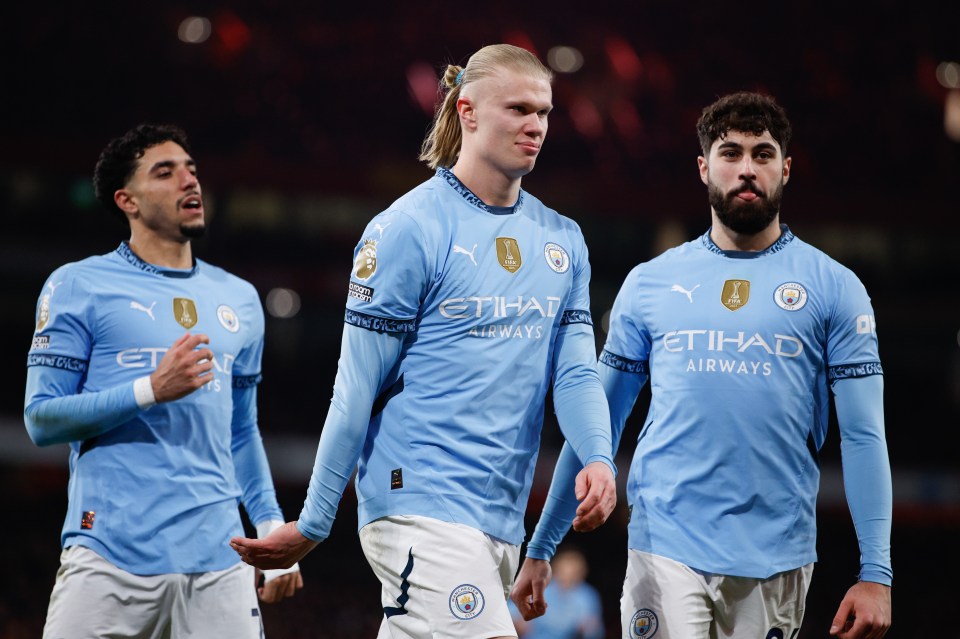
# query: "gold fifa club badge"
[508,254]
[366,263]
[735,294]
[185,312]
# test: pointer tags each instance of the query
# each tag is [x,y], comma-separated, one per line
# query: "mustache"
[747,187]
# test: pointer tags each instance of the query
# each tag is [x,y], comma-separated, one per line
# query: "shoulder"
[818,261]
[222,277]
[550,218]
[83,272]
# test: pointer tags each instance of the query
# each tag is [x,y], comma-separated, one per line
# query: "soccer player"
[146,361]
[743,333]
[467,298]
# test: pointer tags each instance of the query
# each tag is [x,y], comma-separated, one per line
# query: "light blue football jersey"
[159,493]
[481,297]
[740,348]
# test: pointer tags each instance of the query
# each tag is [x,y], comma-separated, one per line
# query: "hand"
[864,612]
[596,489]
[183,368]
[282,548]
[527,592]
[280,587]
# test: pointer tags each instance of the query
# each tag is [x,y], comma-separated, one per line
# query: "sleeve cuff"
[143,392]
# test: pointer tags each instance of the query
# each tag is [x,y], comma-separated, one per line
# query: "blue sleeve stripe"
[846,371]
[379,324]
[57,361]
[246,381]
[623,364]
[576,317]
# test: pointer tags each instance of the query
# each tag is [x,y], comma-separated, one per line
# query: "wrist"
[143,392]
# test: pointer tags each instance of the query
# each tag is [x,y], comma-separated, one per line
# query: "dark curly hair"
[118,161]
[747,112]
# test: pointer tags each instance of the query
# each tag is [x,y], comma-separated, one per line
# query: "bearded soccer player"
[743,334]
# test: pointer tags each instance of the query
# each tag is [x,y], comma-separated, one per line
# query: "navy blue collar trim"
[468,195]
[786,236]
[126,253]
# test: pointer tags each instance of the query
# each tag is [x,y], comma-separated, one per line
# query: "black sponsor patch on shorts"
[396,478]
[363,293]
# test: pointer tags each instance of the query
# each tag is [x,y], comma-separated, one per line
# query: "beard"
[745,218]
[194,230]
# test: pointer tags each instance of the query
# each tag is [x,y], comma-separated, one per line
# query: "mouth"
[191,202]
[747,193]
[530,147]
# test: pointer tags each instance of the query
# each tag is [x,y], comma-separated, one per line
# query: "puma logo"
[679,289]
[377,227]
[137,306]
[460,249]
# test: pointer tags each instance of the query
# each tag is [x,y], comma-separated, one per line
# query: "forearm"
[250,463]
[366,358]
[559,509]
[866,472]
[56,413]
[578,398]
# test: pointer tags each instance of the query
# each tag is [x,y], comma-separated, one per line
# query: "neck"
[727,239]
[166,254]
[492,186]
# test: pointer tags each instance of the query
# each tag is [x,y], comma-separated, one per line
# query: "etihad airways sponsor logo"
[731,341]
[703,341]
[494,306]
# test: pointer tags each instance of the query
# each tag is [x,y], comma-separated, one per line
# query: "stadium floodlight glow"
[565,59]
[283,303]
[948,75]
[194,30]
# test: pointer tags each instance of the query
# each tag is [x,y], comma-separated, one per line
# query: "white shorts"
[668,600]
[440,579]
[93,598]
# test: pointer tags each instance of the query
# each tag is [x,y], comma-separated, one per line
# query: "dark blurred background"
[306,120]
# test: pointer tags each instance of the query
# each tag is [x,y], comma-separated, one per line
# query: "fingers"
[280,587]
[600,497]
[184,368]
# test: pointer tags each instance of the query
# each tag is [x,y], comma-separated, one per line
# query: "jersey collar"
[786,236]
[468,195]
[126,253]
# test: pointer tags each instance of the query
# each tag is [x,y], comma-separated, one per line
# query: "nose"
[188,180]
[747,170]
[535,125]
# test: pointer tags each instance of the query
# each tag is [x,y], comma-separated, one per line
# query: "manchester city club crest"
[790,296]
[644,624]
[556,257]
[228,318]
[466,602]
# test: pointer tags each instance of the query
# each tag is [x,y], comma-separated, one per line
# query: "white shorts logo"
[644,624]
[556,257]
[466,602]
[228,319]
[790,296]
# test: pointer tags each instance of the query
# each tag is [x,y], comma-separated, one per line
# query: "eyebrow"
[169,164]
[762,146]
